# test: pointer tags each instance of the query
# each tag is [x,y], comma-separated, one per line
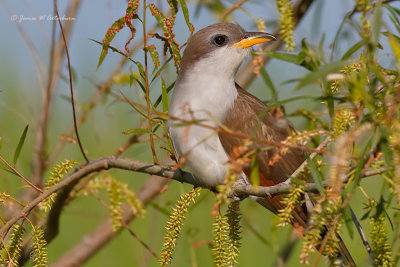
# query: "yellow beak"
[253,38]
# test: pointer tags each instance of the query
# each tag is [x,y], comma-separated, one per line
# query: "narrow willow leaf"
[376,23]
[132,78]
[164,96]
[362,159]
[20,144]
[394,16]
[347,218]
[386,150]
[136,131]
[254,175]
[353,49]
[154,56]
[186,15]
[166,25]
[316,175]
[394,43]
[321,73]
[119,52]
[133,105]
[110,34]
[288,100]
[159,99]
[269,83]
[174,6]
[4,167]
[288,57]
[130,13]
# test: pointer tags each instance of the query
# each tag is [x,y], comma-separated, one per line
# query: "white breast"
[205,93]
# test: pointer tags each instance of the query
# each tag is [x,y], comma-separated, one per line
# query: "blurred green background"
[21,101]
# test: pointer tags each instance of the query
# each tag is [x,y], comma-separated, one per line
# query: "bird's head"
[222,46]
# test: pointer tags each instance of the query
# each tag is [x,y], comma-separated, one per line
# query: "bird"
[206,92]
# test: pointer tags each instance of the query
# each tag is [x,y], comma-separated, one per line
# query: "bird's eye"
[220,40]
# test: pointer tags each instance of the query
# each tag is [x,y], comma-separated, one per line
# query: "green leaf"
[394,16]
[164,96]
[136,131]
[288,100]
[20,144]
[315,174]
[269,83]
[362,159]
[7,169]
[291,58]
[321,73]
[347,216]
[376,23]
[1,142]
[254,174]
[186,15]
[353,49]
[394,43]
[132,78]
[110,34]
[385,148]
[331,105]
[159,99]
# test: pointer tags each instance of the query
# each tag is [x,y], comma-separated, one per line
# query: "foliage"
[354,106]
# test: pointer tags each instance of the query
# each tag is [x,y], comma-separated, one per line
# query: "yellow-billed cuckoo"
[206,91]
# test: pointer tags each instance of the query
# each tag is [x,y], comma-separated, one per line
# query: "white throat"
[204,92]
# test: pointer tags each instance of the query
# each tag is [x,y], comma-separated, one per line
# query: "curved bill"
[253,38]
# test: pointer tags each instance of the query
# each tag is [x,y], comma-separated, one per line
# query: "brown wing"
[249,117]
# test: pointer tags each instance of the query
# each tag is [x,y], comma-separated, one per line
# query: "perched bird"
[205,91]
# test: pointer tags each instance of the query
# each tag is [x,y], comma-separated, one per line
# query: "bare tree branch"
[164,171]
[56,60]
[70,84]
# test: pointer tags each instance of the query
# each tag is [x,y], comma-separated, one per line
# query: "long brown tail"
[300,219]
[345,255]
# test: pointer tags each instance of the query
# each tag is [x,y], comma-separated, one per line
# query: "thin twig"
[164,171]
[56,60]
[140,240]
[237,5]
[70,84]
[103,89]
[320,147]
[146,75]
[132,140]
[20,175]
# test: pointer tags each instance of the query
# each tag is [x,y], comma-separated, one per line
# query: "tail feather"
[300,224]
[345,255]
